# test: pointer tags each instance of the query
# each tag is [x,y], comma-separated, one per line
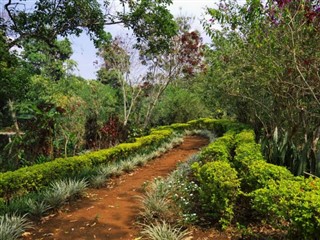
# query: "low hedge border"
[220,149]
[34,178]
[253,169]
[274,193]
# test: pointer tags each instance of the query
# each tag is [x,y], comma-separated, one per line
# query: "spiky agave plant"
[98,181]
[76,187]
[156,202]
[62,190]
[12,226]
[163,230]
[127,166]
[37,208]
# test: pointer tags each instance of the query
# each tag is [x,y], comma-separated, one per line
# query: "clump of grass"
[108,170]
[115,170]
[37,208]
[163,230]
[12,226]
[98,181]
[156,202]
[76,188]
[155,207]
[17,205]
[62,190]
[140,160]
[127,166]
[56,196]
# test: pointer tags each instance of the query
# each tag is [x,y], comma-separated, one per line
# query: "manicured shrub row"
[219,126]
[37,176]
[219,189]
[254,171]
[221,149]
[295,201]
[276,195]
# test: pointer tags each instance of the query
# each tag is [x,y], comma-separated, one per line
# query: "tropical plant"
[12,226]
[62,190]
[163,230]
[37,208]
[98,181]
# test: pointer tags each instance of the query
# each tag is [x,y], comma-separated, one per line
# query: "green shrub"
[219,126]
[260,172]
[219,189]
[295,201]
[254,171]
[246,150]
[221,149]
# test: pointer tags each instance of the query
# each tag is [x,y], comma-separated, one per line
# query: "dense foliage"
[264,69]
[51,112]
[236,190]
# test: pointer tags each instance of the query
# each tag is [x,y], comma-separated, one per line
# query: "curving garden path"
[111,212]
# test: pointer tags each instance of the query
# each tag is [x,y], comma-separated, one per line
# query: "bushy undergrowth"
[295,201]
[231,183]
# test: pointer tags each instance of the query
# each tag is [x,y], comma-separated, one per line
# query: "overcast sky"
[85,53]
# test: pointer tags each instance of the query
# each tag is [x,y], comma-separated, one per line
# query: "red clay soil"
[111,212]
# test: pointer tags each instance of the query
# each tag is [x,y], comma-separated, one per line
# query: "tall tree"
[183,59]
[150,20]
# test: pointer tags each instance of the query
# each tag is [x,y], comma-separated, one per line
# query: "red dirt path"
[111,212]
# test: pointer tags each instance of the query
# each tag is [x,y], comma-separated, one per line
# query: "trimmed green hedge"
[221,149]
[275,194]
[254,171]
[219,189]
[295,201]
[37,176]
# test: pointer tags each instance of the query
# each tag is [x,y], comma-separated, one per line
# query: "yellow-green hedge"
[38,176]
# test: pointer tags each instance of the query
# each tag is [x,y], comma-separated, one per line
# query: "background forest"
[262,69]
